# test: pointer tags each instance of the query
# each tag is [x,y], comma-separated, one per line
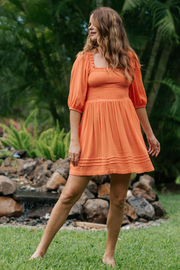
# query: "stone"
[10,208]
[62,166]
[129,194]
[2,172]
[159,210]
[55,181]
[143,220]
[147,179]
[85,196]
[22,153]
[104,191]
[43,168]
[142,193]
[142,207]
[39,212]
[7,186]
[98,179]
[76,211]
[9,166]
[61,189]
[28,166]
[91,225]
[92,187]
[106,178]
[147,188]
[130,212]
[96,210]
[40,181]
[7,161]
[4,220]
[125,221]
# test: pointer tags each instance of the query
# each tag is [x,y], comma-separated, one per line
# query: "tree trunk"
[143,48]
[158,76]
[53,111]
[152,59]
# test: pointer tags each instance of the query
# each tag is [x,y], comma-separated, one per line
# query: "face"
[93,31]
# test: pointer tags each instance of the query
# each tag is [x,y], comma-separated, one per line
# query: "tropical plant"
[51,144]
[39,41]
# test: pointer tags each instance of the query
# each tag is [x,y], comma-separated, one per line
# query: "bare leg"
[119,187]
[71,193]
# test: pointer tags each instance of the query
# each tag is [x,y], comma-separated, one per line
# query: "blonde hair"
[112,41]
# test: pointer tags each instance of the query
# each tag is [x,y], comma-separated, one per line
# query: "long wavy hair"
[112,41]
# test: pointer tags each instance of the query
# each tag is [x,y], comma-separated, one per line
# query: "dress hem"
[85,173]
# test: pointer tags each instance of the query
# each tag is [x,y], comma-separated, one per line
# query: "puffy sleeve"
[136,89]
[78,83]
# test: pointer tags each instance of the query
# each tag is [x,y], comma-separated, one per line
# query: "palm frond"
[129,5]
[163,19]
[175,108]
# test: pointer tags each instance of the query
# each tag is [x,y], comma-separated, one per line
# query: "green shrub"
[51,144]
[5,153]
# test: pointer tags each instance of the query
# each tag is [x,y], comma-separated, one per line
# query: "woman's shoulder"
[133,56]
[83,55]
[82,60]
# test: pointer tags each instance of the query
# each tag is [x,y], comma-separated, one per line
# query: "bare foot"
[108,261]
[37,254]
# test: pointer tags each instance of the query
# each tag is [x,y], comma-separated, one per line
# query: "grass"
[141,249]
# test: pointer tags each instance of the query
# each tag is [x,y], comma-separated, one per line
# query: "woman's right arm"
[74,148]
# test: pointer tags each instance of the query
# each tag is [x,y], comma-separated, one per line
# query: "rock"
[106,178]
[7,186]
[9,207]
[90,225]
[62,166]
[61,189]
[104,191]
[39,212]
[129,194]
[96,210]
[85,196]
[9,165]
[4,220]
[125,221]
[147,179]
[159,210]
[2,172]
[130,212]
[76,211]
[40,181]
[43,168]
[142,193]
[142,207]
[92,187]
[22,153]
[44,188]
[147,188]
[40,160]
[55,181]
[28,166]
[98,179]
[142,220]
[7,161]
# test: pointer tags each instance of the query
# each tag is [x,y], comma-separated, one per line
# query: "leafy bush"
[51,144]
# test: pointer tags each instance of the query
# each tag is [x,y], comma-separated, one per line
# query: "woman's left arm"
[154,145]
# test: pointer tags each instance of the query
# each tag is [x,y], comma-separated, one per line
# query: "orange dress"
[110,134]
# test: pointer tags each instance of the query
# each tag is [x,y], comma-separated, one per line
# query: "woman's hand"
[74,153]
[154,146]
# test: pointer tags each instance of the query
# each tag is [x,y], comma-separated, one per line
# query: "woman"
[106,85]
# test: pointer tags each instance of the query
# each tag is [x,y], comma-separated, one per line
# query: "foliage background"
[39,40]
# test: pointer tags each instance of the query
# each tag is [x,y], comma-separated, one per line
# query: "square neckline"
[93,64]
